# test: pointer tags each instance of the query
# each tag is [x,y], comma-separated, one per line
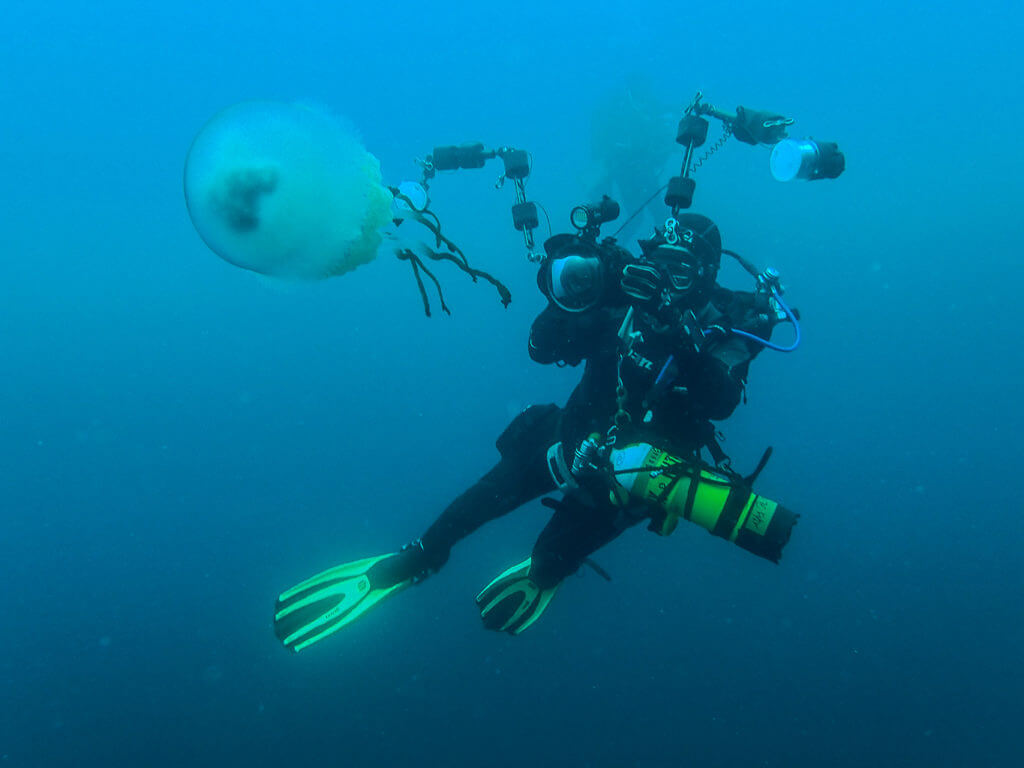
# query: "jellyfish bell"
[285,190]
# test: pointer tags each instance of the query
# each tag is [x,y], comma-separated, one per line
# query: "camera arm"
[516,169]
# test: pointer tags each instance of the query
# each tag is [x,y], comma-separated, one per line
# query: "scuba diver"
[666,352]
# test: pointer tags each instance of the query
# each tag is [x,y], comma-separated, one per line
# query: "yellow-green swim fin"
[513,601]
[329,601]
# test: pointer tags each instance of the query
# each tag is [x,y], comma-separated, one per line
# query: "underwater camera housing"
[577,271]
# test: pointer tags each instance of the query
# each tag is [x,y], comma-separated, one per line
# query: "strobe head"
[806,159]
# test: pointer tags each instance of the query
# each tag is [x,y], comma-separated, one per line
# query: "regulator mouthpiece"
[806,159]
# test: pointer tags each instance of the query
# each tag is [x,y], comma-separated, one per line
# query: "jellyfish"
[286,190]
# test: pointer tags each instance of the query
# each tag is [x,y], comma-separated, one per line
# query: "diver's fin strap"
[597,569]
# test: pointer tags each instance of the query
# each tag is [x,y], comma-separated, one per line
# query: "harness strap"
[734,506]
[749,479]
[691,492]
[717,453]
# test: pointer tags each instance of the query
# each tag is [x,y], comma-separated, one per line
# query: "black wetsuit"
[707,385]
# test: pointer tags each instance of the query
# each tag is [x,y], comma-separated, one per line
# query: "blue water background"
[180,440]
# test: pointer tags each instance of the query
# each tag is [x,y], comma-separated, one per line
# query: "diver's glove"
[756,127]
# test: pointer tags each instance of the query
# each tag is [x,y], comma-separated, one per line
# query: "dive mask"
[672,268]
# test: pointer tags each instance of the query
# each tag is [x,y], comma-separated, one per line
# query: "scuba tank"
[724,505]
